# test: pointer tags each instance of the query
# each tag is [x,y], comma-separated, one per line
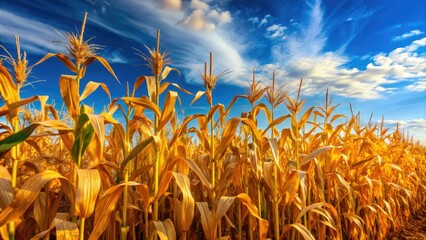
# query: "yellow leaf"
[165,229]
[168,108]
[144,193]
[197,96]
[107,66]
[180,88]
[91,87]
[8,89]
[228,135]
[105,208]
[144,102]
[63,58]
[28,193]
[305,117]
[209,226]
[97,122]
[6,193]
[69,92]
[163,186]
[275,151]
[194,167]
[275,122]
[307,235]
[137,84]
[185,212]
[150,84]
[88,186]
[314,154]
[166,72]
[183,127]
[66,230]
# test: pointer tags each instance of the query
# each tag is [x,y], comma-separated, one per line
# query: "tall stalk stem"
[82,223]
[157,148]
[124,230]
[276,209]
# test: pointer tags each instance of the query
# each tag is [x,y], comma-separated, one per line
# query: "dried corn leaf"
[204,179]
[166,72]
[69,92]
[228,135]
[88,186]
[6,193]
[8,89]
[66,230]
[168,109]
[91,87]
[165,229]
[273,144]
[28,193]
[107,66]
[307,158]
[246,200]
[185,211]
[63,58]
[307,235]
[197,96]
[207,222]
[305,118]
[105,208]
[144,102]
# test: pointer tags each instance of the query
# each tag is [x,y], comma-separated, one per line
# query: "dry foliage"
[325,176]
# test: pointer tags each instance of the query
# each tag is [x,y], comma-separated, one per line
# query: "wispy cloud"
[265,20]
[411,126]
[303,55]
[190,44]
[190,37]
[419,86]
[35,37]
[412,33]
[360,14]
[276,31]
[253,20]
[115,57]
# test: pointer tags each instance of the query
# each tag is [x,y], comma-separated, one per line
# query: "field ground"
[415,229]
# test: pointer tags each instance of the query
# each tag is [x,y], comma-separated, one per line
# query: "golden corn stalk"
[317,178]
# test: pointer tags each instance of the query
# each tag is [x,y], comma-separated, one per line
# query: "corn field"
[81,174]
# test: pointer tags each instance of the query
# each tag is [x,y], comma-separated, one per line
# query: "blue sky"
[368,53]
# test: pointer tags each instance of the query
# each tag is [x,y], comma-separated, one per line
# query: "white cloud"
[221,18]
[302,55]
[328,70]
[199,5]
[189,41]
[419,86]
[172,4]
[276,31]
[254,20]
[115,57]
[407,35]
[197,21]
[412,126]
[202,17]
[265,20]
